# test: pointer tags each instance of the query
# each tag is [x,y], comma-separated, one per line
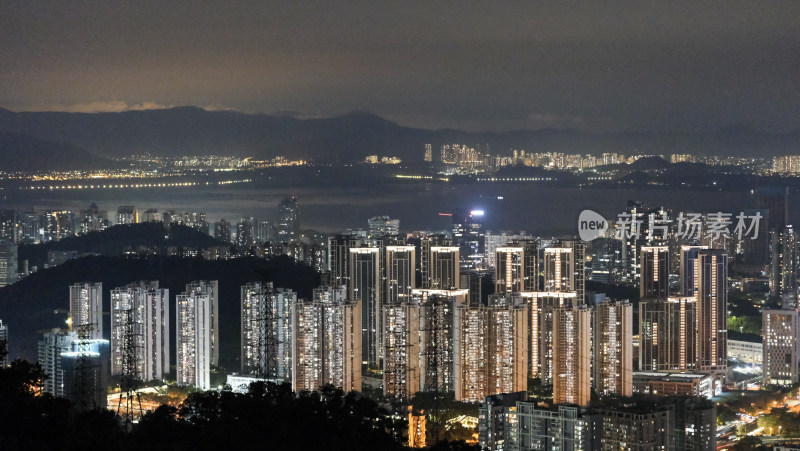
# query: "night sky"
[597,66]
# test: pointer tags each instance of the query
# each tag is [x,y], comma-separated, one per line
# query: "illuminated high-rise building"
[382,226]
[339,258]
[564,268]
[784,265]
[365,289]
[541,308]
[426,243]
[267,331]
[781,346]
[436,336]
[197,333]
[613,347]
[490,348]
[428,153]
[246,232]
[127,214]
[688,269]
[51,347]
[400,266]
[86,308]
[288,220]
[326,342]
[530,264]
[654,272]
[667,334]
[223,232]
[711,272]
[140,325]
[509,275]
[401,364]
[468,235]
[444,268]
[93,220]
[572,328]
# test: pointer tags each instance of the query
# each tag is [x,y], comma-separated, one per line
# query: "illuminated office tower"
[541,307]
[444,268]
[425,244]
[401,378]
[267,331]
[197,333]
[428,153]
[564,268]
[436,336]
[490,348]
[509,274]
[140,320]
[613,347]
[339,258]
[667,334]
[654,272]
[86,308]
[127,214]
[572,328]
[326,343]
[288,220]
[365,289]
[381,226]
[712,311]
[468,235]
[781,331]
[401,269]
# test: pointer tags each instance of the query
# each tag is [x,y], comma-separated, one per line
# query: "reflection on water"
[522,207]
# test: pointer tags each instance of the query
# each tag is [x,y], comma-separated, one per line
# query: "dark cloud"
[474,65]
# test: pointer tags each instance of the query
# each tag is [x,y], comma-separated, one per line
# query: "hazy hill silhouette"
[20,152]
[350,137]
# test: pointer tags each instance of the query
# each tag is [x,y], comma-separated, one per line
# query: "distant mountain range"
[350,137]
[20,152]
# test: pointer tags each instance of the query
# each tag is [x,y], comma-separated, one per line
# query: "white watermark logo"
[591,225]
[715,226]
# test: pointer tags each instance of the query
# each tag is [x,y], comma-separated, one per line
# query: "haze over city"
[399,225]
